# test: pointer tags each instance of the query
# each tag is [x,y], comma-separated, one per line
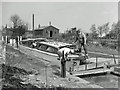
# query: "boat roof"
[55,44]
[34,39]
[28,39]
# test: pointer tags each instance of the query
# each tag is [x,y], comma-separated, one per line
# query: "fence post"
[6,39]
[96,61]
[86,66]
[46,75]
[114,58]
[72,65]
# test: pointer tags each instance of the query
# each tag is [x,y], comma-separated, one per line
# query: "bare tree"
[100,31]
[103,29]
[94,31]
[19,27]
[16,21]
[106,28]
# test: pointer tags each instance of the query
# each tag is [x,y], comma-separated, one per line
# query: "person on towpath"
[80,41]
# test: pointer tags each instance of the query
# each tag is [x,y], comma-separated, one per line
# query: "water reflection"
[106,81]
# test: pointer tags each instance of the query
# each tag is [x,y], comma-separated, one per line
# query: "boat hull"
[46,56]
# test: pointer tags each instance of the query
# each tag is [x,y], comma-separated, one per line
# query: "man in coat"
[80,41]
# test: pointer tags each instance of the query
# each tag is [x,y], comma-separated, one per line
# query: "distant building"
[46,31]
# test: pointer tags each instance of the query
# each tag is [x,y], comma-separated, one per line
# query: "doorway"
[51,33]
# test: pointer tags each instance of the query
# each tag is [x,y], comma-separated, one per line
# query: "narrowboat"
[48,50]
[45,49]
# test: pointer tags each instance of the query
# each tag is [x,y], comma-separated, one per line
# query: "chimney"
[38,26]
[50,23]
[6,26]
[33,21]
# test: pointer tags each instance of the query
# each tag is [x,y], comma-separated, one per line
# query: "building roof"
[44,27]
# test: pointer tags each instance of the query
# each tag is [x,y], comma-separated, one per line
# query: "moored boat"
[45,49]
[48,50]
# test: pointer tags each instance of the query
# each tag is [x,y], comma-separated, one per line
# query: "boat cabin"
[52,47]
[29,42]
[46,45]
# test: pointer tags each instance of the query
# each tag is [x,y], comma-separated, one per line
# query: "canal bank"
[54,78]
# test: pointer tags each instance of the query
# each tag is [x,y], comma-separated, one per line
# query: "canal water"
[106,81]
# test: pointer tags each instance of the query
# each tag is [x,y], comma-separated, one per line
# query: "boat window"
[38,45]
[23,42]
[29,44]
[40,40]
[43,47]
[52,49]
[72,47]
[69,46]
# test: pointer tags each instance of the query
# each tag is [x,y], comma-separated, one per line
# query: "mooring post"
[63,66]
[96,61]
[114,58]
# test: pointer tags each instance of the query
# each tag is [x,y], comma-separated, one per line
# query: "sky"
[62,15]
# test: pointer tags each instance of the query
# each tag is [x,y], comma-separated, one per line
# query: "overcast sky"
[63,15]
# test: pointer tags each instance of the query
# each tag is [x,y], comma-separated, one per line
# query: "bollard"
[63,66]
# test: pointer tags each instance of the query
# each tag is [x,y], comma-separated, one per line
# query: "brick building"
[46,31]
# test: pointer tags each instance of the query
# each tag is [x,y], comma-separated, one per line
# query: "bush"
[113,46]
[104,43]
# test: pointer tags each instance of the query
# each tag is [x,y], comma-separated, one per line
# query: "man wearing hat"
[80,41]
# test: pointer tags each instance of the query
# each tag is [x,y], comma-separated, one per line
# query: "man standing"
[80,41]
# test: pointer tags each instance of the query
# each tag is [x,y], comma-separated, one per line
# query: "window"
[52,49]
[43,47]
